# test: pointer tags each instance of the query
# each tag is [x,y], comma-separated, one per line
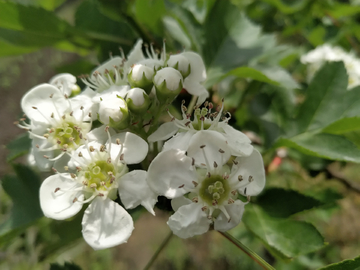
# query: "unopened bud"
[141,76]
[168,83]
[137,100]
[180,63]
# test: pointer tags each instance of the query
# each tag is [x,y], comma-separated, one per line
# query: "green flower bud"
[168,83]
[141,76]
[137,100]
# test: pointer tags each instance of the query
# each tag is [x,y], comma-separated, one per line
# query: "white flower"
[101,174]
[206,128]
[66,83]
[58,124]
[202,197]
[197,75]
[326,53]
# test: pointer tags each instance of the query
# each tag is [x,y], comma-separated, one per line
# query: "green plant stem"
[260,261]
[158,251]
[192,104]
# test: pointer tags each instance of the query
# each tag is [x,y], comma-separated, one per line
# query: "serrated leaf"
[290,238]
[281,203]
[24,192]
[251,73]
[343,125]
[18,25]
[18,147]
[157,10]
[353,264]
[323,145]
[324,100]
[236,41]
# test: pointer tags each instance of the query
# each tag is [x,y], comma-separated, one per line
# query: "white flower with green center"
[101,174]
[58,124]
[205,128]
[203,197]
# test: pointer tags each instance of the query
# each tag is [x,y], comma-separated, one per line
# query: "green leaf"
[343,125]
[343,10]
[323,145]
[281,203]
[101,27]
[231,40]
[352,264]
[317,35]
[177,33]
[324,101]
[252,73]
[157,10]
[286,238]
[8,49]
[18,147]
[24,192]
[18,25]
[288,9]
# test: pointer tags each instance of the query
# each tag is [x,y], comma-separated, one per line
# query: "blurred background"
[41,38]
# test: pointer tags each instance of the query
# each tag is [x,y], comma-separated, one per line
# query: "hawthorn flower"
[101,174]
[57,124]
[192,67]
[204,197]
[326,53]
[205,128]
[66,83]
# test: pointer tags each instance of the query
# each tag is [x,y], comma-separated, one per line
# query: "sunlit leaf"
[353,264]
[288,238]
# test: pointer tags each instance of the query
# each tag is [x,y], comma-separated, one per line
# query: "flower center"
[99,175]
[214,190]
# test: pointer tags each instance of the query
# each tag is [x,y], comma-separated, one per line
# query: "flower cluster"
[316,58]
[88,138]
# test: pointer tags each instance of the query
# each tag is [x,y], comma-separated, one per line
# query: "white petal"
[108,65]
[180,141]
[134,190]
[196,89]
[250,166]
[176,203]
[213,141]
[83,104]
[169,171]
[66,80]
[59,205]
[61,163]
[135,54]
[238,142]
[106,224]
[198,71]
[39,97]
[135,148]
[164,132]
[99,134]
[235,211]
[112,92]
[42,163]
[189,220]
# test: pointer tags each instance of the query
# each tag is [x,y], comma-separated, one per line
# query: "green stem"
[260,261]
[191,104]
[158,251]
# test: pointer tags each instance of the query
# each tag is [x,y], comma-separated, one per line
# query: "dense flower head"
[327,53]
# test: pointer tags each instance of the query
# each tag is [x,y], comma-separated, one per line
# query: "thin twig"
[158,251]
[260,261]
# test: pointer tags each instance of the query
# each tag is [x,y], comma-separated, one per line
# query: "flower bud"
[181,63]
[141,76]
[137,100]
[113,111]
[168,83]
